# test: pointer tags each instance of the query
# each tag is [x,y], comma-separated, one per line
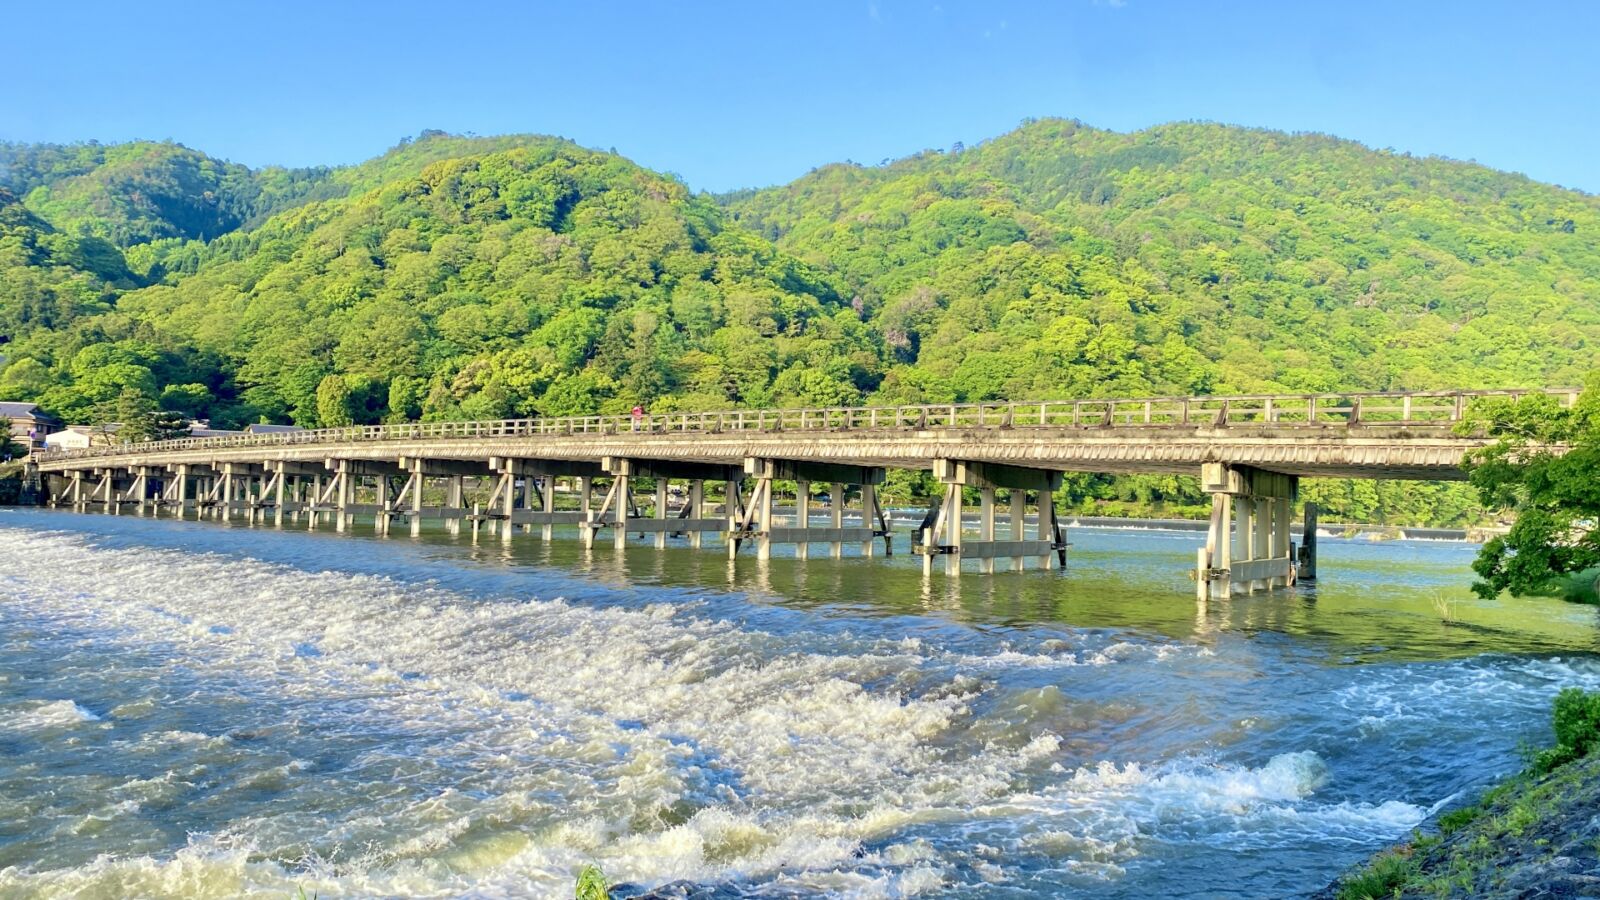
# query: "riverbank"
[1536,834]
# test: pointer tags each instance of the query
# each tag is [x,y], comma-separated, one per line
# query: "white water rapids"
[200,723]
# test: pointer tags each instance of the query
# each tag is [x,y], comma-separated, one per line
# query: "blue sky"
[755,93]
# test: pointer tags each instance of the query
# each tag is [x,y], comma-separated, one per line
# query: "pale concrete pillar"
[341,515]
[1019,526]
[697,503]
[1261,546]
[952,524]
[733,505]
[1220,543]
[1047,526]
[986,525]
[278,495]
[547,498]
[455,498]
[380,494]
[508,503]
[869,516]
[1244,530]
[661,511]
[619,536]
[417,484]
[1280,534]
[587,531]
[802,516]
[763,500]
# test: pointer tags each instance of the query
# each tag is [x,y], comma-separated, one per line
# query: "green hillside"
[1061,259]
[465,277]
[540,279]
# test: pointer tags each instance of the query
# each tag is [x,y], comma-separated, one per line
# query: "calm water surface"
[203,710]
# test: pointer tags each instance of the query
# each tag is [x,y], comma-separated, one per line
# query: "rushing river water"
[200,710]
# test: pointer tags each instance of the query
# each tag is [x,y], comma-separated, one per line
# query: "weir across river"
[1249,452]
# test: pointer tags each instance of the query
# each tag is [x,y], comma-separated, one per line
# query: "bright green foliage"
[1577,726]
[142,191]
[1383,878]
[457,277]
[1543,467]
[1061,260]
[592,884]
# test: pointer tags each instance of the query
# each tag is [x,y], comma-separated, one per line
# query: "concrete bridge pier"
[942,534]
[104,489]
[1247,544]
[690,520]
[240,489]
[759,522]
[454,472]
[538,493]
[174,490]
[286,488]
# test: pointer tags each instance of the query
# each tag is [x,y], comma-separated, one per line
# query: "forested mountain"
[508,276]
[1194,257]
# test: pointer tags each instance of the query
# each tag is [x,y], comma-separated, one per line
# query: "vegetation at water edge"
[457,277]
[1526,833]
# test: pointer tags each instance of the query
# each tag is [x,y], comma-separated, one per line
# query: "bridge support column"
[941,531]
[660,511]
[341,488]
[622,503]
[1308,546]
[802,516]
[733,505]
[138,493]
[690,520]
[1252,550]
[539,480]
[696,508]
[836,519]
[869,514]
[757,521]
[228,488]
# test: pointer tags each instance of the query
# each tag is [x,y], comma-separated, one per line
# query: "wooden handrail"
[1291,410]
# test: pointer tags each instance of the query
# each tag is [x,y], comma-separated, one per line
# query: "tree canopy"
[1543,466]
[464,277]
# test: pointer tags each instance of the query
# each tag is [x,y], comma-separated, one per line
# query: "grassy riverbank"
[1536,834]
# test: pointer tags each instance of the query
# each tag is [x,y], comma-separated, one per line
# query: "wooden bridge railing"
[1416,408]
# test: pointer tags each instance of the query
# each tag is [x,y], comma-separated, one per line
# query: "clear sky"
[754,93]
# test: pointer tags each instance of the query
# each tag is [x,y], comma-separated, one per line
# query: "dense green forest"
[463,277]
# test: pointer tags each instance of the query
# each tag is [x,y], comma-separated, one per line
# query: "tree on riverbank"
[1546,468]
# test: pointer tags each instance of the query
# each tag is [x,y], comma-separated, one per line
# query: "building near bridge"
[201,428]
[82,437]
[29,424]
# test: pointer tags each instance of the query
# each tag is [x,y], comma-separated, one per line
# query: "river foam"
[385,738]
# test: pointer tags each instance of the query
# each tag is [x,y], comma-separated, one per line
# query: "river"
[202,710]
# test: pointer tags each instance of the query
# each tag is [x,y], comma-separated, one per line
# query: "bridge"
[1249,452]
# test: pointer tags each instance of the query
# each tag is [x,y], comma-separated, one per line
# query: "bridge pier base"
[757,521]
[941,533]
[1308,546]
[690,520]
[1247,543]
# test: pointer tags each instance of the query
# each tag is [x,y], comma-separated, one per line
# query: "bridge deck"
[1406,436]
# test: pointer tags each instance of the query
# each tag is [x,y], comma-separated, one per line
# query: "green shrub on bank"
[1577,725]
[1384,877]
[592,884]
